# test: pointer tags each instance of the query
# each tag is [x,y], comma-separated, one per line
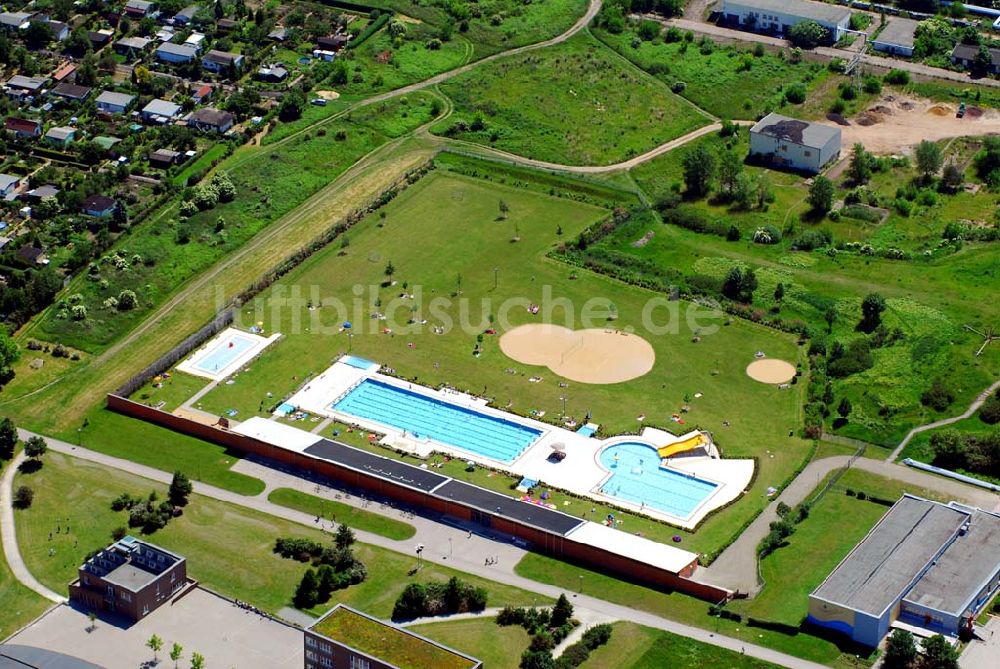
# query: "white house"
[794,144]
[161,111]
[897,37]
[8,184]
[776,17]
[114,103]
[168,52]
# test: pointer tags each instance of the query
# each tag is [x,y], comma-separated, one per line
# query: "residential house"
[160,111]
[65,73]
[221,61]
[60,31]
[100,38]
[201,94]
[107,143]
[226,25]
[165,34]
[19,85]
[794,144]
[42,192]
[965,55]
[114,103]
[897,37]
[60,136]
[73,92]
[186,15]
[197,40]
[139,9]
[272,74]
[8,185]
[776,17]
[21,127]
[130,577]
[333,42]
[168,52]
[207,119]
[132,47]
[163,158]
[98,206]
[14,21]
[32,255]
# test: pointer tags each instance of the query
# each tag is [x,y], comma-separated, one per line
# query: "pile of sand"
[585,356]
[770,370]
[940,110]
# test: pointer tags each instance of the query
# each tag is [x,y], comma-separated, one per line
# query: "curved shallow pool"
[637,477]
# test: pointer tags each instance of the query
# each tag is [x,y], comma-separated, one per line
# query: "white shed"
[794,144]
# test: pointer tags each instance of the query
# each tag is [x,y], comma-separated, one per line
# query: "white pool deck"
[193,363]
[580,472]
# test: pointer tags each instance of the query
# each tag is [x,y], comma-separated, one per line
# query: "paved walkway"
[730,35]
[983,651]
[9,535]
[468,558]
[736,567]
[973,408]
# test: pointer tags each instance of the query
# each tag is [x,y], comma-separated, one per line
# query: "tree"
[9,353]
[92,617]
[562,612]
[982,62]
[730,168]
[808,34]
[155,644]
[821,195]
[871,312]
[197,661]
[127,300]
[844,408]
[175,653]
[699,170]
[23,497]
[344,538]
[411,603]
[938,654]
[35,447]
[938,396]
[390,269]
[180,489]
[504,209]
[861,166]
[537,659]
[307,594]
[38,35]
[326,582]
[929,158]
[951,177]
[779,292]
[989,413]
[746,191]
[900,650]
[731,284]
[292,105]
[830,316]
[8,438]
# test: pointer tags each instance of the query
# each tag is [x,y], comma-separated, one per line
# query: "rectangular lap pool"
[425,417]
[636,476]
[224,354]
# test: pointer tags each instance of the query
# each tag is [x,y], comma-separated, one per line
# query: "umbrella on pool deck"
[559,446]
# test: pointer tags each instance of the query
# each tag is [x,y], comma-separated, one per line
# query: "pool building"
[676,479]
[927,567]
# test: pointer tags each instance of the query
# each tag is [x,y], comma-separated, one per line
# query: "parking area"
[225,634]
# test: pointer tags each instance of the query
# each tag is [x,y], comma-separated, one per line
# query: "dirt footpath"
[895,124]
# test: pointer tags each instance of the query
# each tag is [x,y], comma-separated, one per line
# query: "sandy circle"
[327,95]
[585,356]
[771,371]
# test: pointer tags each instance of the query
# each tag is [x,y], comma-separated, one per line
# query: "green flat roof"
[387,642]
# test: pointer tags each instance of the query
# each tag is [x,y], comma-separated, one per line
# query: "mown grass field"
[228,548]
[19,604]
[575,103]
[270,183]
[359,519]
[497,647]
[465,211]
[834,526]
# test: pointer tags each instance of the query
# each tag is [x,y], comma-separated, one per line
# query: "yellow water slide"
[699,440]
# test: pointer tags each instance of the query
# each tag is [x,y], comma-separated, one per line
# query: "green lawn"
[835,524]
[19,604]
[633,646]
[359,519]
[497,647]
[576,103]
[438,208]
[173,390]
[202,163]
[228,548]
[269,182]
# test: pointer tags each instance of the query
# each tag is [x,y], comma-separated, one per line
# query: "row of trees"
[155,644]
[437,598]
[705,171]
[934,653]
[978,453]
[146,513]
[337,566]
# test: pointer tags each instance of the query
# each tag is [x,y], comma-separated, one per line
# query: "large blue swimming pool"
[224,354]
[636,476]
[427,417]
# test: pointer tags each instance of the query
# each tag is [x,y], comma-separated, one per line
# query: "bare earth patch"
[327,95]
[771,370]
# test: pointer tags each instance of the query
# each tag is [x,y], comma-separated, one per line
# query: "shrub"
[990,411]
[897,77]
[795,93]
[938,396]
[23,497]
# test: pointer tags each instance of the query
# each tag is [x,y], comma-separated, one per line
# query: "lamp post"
[496,272]
[563,398]
[581,584]
[450,552]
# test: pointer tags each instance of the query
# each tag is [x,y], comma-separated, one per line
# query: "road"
[8,535]
[736,567]
[973,408]
[729,35]
[502,574]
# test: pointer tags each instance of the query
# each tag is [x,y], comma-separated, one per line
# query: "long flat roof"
[806,133]
[502,505]
[638,548]
[899,32]
[964,568]
[379,465]
[817,11]
[880,568]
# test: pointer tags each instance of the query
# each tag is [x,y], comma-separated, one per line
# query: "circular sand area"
[585,356]
[771,371]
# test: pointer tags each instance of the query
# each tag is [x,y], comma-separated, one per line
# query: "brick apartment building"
[130,577]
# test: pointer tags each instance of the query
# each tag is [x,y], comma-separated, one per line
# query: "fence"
[837,475]
[222,320]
